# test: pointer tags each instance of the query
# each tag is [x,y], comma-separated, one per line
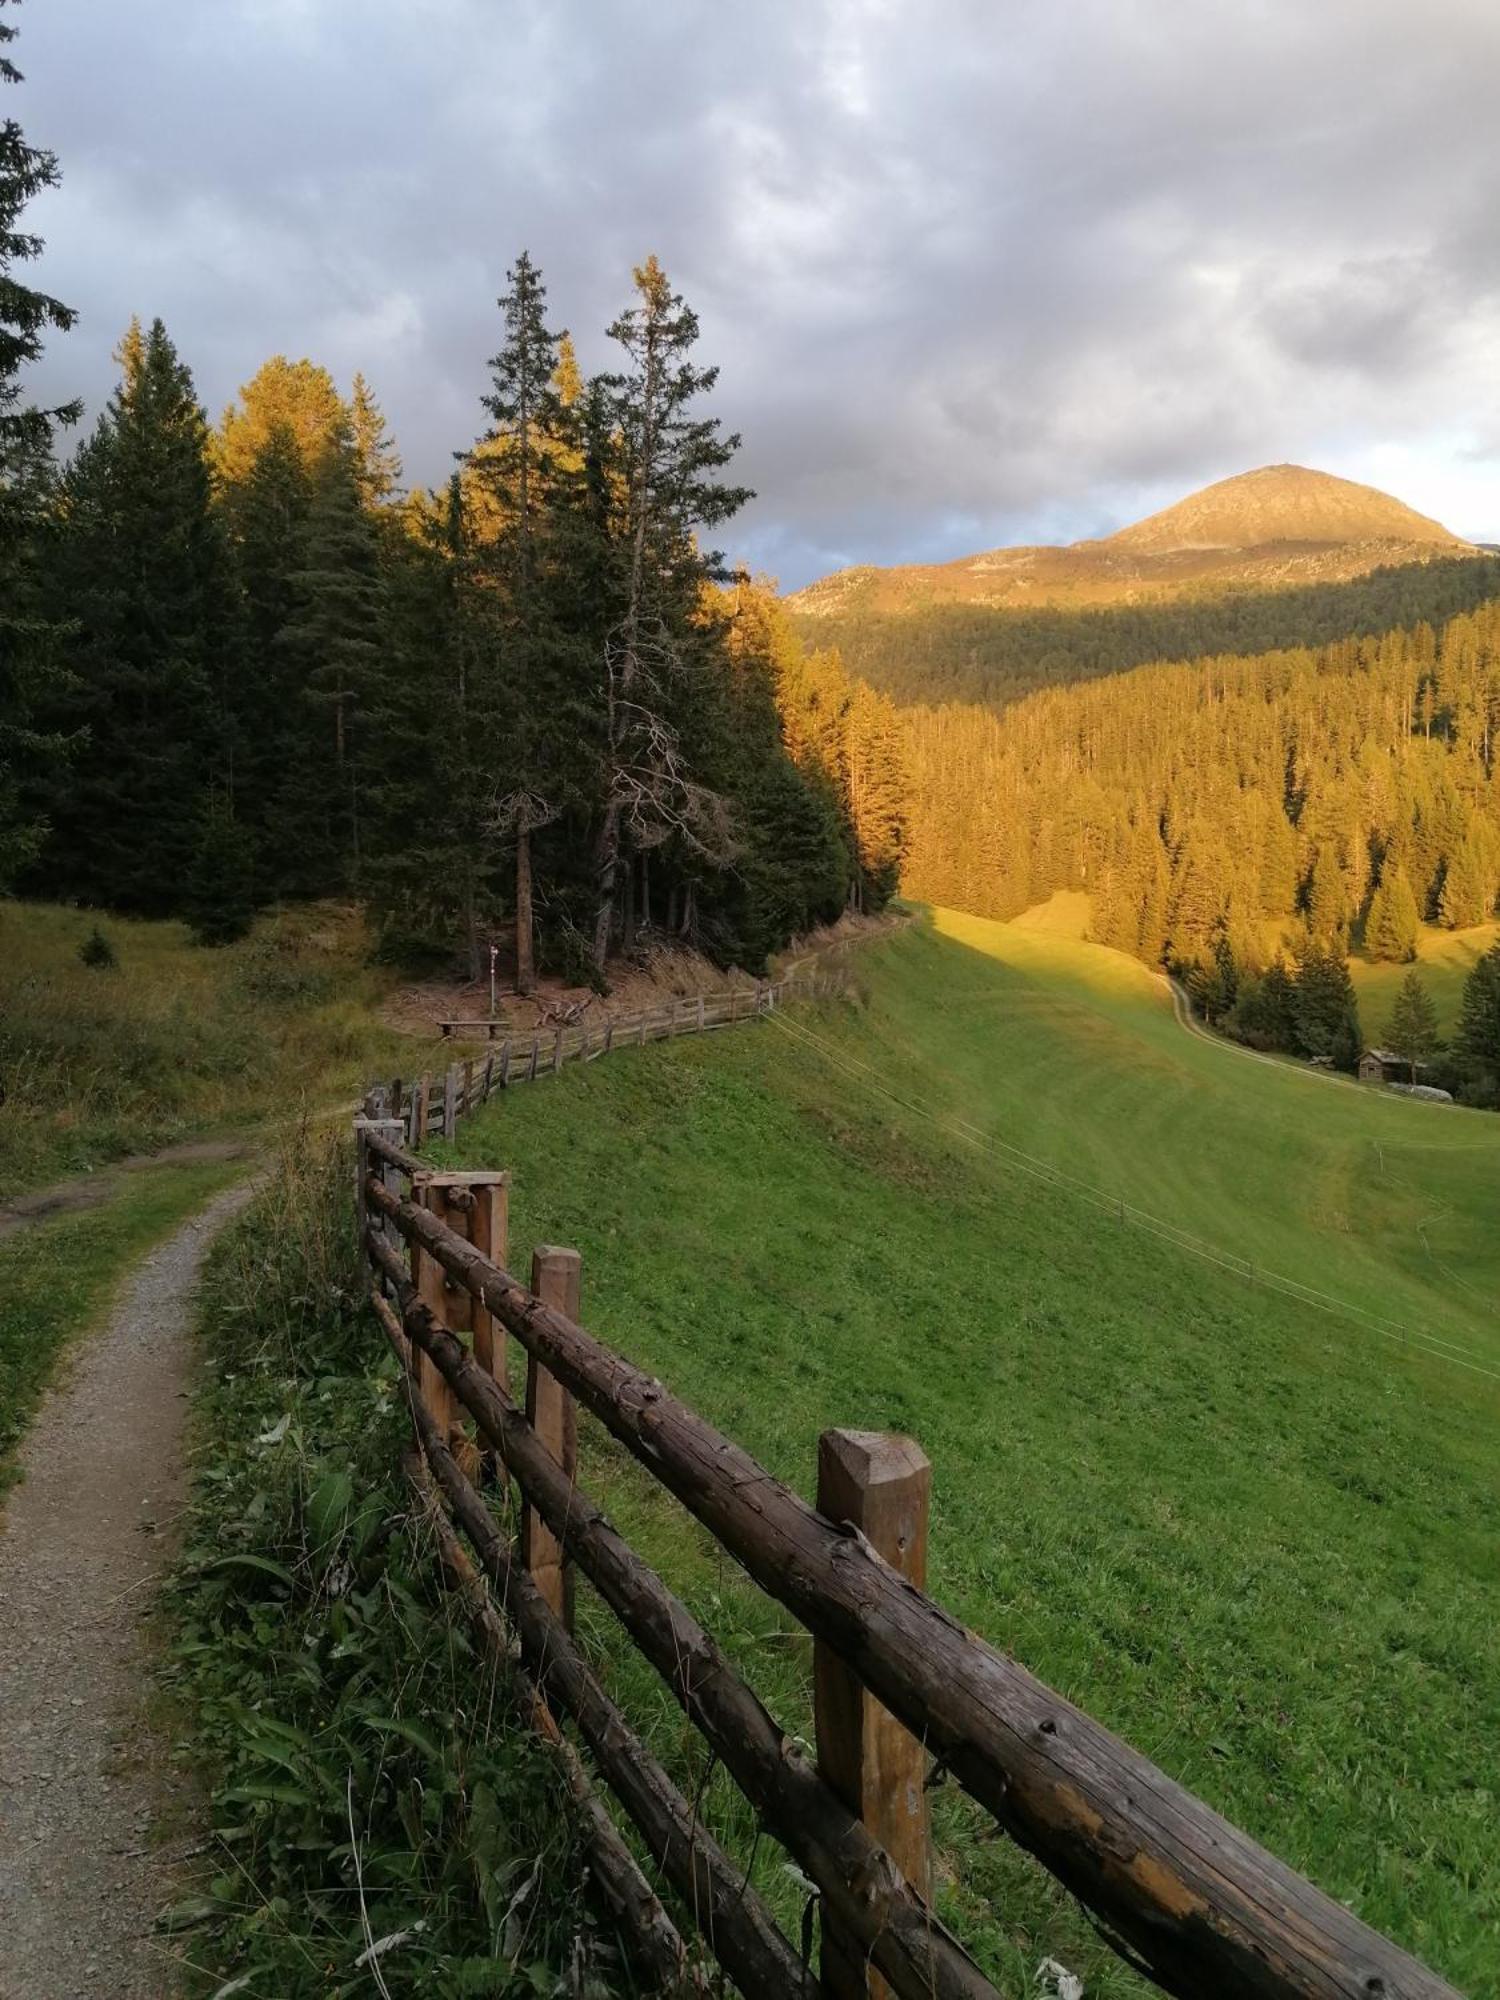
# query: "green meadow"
[1203,1351]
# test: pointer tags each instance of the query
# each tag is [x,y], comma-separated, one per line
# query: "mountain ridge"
[1275,527]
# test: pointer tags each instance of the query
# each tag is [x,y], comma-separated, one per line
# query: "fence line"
[430,1106]
[1190,1899]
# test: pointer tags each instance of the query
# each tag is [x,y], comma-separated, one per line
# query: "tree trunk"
[608,861]
[525,916]
[627,928]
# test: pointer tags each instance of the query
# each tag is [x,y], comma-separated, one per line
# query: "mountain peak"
[1276,528]
[1280,504]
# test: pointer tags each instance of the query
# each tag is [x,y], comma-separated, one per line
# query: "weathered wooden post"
[489,1076]
[609,1036]
[881,1485]
[557,1279]
[450,1101]
[505,1064]
[474,1205]
[419,1110]
[489,1232]
[700,1013]
[466,1101]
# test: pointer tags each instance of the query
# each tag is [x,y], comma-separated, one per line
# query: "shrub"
[97,952]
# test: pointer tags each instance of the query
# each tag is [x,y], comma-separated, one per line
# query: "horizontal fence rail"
[901,1685]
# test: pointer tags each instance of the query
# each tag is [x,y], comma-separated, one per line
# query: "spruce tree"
[1468,892]
[1326,1011]
[1392,927]
[536,673]
[142,568]
[32,674]
[668,462]
[1478,1041]
[267,513]
[335,636]
[1412,1032]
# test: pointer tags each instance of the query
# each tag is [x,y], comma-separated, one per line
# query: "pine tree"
[142,568]
[1413,1030]
[668,459]
[32,677]
[1392,927]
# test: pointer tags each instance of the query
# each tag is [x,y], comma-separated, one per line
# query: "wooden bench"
[489,1028]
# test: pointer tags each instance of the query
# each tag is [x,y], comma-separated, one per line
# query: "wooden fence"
[430,1106]
[904,1695]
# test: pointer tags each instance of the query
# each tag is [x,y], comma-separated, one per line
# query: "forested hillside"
[941,652]
[1349,792]
[533,704]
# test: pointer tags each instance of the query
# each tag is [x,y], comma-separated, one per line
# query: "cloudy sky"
[975,271]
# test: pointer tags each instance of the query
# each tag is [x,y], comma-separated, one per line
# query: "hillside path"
[93,1823]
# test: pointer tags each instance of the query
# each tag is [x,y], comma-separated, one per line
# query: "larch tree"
[32,673]
[376,457]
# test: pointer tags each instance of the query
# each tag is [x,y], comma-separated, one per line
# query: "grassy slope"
[1255,1538]
[173,1039]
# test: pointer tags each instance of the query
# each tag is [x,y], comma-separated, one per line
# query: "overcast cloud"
[975,273]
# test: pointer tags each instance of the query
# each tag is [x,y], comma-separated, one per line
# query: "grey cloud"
[973,274]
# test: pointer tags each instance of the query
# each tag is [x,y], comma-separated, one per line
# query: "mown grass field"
[173,1039]
[1257,1536]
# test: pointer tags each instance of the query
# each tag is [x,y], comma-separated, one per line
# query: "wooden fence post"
[419,1109]
[466,1101]
[450,1101]
[880,1485]
[505,1064]
[452,1306]
[700,1013]
[489,1232]
[557,1279]
[476,1207]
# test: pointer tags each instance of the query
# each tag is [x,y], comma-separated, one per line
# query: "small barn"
[1385,1066]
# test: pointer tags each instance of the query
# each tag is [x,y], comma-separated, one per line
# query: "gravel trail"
[93,1822]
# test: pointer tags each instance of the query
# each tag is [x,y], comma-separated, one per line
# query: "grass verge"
[366,1781]
[58,1278]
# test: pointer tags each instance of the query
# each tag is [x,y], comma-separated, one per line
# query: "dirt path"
[85,1793]
[93,1190]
